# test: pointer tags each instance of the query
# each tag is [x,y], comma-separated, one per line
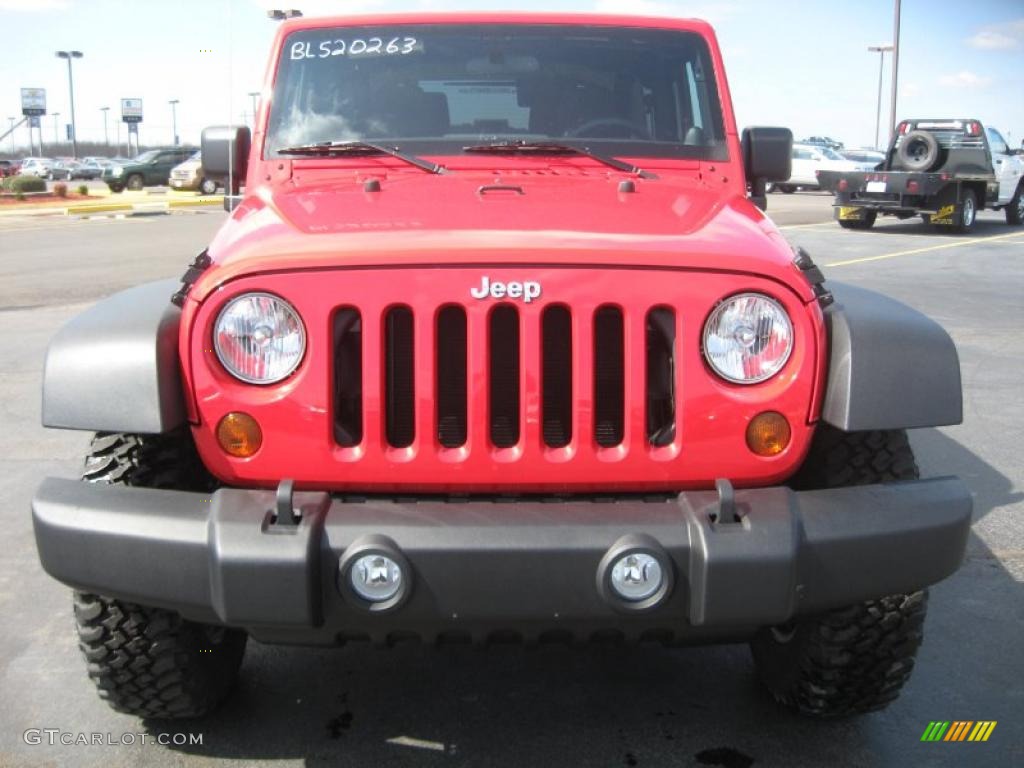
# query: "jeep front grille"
[604,343]
[451,377]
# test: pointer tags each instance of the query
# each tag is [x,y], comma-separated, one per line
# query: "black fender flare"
[114,367]
[890,366]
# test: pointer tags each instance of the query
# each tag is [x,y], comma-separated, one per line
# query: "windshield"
[146,157]
[641,92]
[831,154]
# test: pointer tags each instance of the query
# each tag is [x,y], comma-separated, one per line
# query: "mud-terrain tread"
[148,661]
[840,459]
[855,659]
[165,461]
[152,663]
[849,662]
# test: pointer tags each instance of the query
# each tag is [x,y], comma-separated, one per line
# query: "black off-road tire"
[1015,208]
[146,461]
[146,661]
[150,662]
[919,151]
[847,662]
[854,659]
[840,459]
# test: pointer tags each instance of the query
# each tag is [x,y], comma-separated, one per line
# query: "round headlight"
[748,338]
[117,170]
[259,338]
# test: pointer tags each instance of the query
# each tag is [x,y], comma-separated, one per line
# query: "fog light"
[768,434]
[239,435]
[376,578]
[636,576]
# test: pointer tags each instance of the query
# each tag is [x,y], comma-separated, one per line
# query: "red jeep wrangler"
[498,343]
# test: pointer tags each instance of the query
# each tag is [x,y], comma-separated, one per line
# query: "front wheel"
[135,182]
[847,662]
[116,187]
[1015,208]
[854,659]
[150,662]
[208,186]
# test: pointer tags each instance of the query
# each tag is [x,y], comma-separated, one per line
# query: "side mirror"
[767,156]
[225,155]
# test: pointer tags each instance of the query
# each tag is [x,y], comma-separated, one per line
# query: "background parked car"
[823,141]
[807,160]
[92,167]
[8,168]
[65,169]
[149,169]
[189,175]
[36,166]
[869,157]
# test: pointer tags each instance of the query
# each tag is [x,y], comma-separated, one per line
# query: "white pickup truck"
[942,170]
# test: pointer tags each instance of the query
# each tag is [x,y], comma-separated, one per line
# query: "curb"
[146,207]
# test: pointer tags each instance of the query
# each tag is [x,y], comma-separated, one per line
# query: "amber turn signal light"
[768,434]
[239,435]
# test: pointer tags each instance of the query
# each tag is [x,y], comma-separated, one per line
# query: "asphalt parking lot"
[550,706]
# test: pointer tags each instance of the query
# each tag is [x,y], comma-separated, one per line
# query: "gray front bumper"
[481,566]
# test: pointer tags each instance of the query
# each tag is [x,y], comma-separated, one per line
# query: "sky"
[799,63]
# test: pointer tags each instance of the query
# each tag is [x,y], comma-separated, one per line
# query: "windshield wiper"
[339,148]
[557,148]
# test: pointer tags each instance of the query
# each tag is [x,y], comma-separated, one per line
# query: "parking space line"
[807,226]
[912,251]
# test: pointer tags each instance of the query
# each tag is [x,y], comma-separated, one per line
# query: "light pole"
[174,119]
[55,139]
[106,136]
[253,95]
[895,70]
[69,55]
[881,50]
[11,134]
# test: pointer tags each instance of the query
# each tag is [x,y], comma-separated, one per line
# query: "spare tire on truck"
[919,151]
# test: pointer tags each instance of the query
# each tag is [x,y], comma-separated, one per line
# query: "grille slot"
[348,377]
[504,376]
[399,378]
[556,376]
[451,377]
[661,376]
[609,376]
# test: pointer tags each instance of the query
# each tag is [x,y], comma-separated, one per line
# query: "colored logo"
[958,730]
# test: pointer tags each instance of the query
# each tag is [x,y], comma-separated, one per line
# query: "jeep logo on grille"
[527,291]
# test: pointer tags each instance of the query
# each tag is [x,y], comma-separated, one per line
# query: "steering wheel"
[635,131]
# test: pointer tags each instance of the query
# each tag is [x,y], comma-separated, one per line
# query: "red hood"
[557,215]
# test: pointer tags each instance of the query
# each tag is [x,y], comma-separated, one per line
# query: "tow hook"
[286,517]
[726,513]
